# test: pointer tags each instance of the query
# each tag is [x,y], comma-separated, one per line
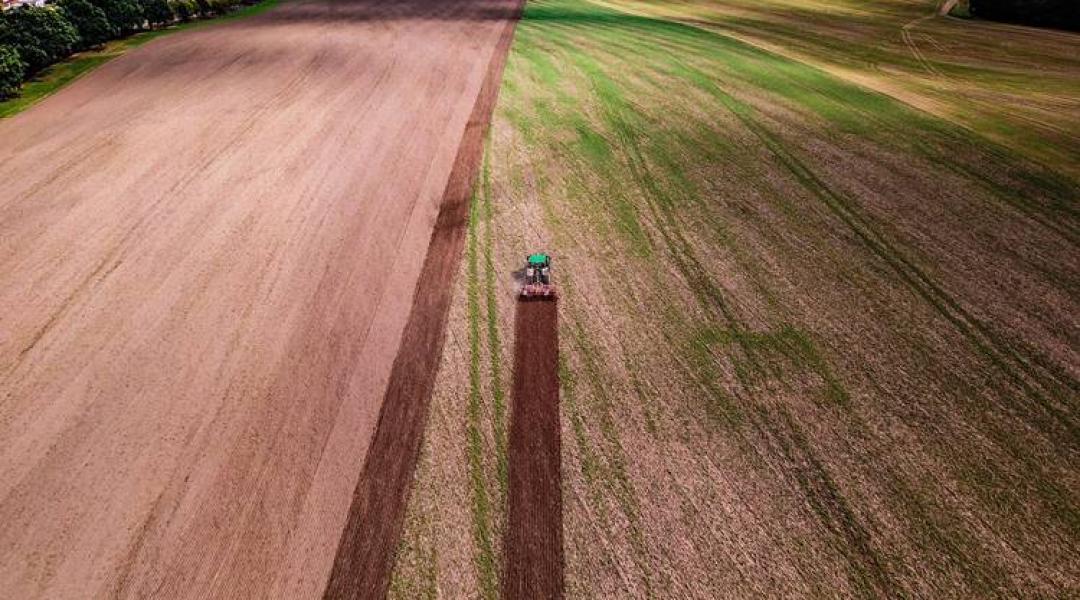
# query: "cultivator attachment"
[537,283]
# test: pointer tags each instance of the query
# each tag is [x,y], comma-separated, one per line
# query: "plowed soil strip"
[365,556]
[533,549]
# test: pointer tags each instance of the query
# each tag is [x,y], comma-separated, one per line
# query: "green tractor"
[538,277]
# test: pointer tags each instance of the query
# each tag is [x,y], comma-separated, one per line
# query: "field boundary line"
[368,547]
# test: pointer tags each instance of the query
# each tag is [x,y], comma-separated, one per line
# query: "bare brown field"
[208,251]
[533,542]
[364,560]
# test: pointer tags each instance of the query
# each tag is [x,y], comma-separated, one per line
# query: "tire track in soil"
[365,555]
[533,545]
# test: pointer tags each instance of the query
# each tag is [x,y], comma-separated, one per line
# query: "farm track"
[209,249]
[533,551]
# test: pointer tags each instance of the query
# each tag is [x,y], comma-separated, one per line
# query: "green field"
[816,340]
[1017,86]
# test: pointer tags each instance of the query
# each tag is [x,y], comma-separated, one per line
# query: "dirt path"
[906,33]
[365,557]
[208,253]
[533,547]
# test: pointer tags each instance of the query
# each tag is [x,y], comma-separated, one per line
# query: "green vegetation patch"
[476,449]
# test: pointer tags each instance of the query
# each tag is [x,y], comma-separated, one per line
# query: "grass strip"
[481,503]
[498,418]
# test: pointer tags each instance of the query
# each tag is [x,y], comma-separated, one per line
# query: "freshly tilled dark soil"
[533,549]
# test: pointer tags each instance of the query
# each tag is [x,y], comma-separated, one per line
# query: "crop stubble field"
[818,327]
[1017,86]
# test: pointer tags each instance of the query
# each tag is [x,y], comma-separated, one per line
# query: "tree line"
[1061,14]
[34,37]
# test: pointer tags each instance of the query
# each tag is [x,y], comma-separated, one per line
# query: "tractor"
[537,277]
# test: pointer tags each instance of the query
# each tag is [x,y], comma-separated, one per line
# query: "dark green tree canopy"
[93,25]
[12,70]
[157,12]
[184,9]
[125,15]
[1062,14]
[41,35]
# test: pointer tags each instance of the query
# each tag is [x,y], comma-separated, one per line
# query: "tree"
[41,35]
[157,12]
[12,71]
[221,7]
[183,9]
[1064,14]
[94,27]
[125,15]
